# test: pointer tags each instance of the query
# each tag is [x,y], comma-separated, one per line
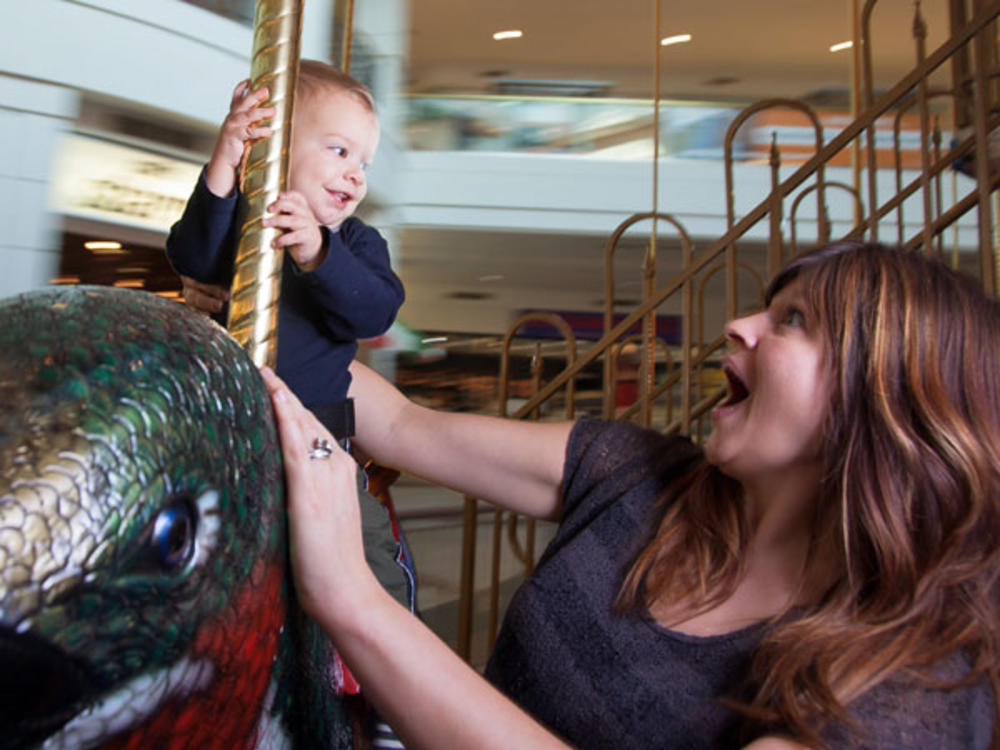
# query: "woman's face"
[770,426]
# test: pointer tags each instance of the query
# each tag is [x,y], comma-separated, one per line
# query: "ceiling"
[739,49]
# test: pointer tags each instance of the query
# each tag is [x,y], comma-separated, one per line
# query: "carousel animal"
[144,600]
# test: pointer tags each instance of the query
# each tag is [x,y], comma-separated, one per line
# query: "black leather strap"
[338,418]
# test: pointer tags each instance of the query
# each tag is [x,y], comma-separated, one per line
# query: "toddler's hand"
[239,130]
[302,236]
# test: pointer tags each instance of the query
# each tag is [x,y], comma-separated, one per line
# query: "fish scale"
[144,588]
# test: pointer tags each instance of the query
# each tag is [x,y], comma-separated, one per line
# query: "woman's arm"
[427,694]
[517,465]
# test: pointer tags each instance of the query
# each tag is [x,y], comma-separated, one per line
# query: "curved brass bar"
[525,553]
[253,307]
[560,325]
[854,192]
[776,196]
[687,250]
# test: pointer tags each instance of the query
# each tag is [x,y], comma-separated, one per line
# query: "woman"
[823,575]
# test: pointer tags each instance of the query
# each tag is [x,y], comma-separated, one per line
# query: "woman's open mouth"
[738,390]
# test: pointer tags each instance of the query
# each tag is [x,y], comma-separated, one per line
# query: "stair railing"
[683,374]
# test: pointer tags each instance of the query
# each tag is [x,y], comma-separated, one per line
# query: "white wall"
[32,116]
[556,193]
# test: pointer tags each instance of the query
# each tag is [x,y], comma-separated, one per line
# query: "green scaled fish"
[144,595]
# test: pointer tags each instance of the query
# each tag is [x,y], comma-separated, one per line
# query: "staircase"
[954,89]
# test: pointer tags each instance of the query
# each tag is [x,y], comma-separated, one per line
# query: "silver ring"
[321,448]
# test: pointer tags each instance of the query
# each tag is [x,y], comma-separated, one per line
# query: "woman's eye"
[364,166]
[793,318]
[339,150]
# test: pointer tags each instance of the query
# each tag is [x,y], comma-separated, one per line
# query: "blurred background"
[504,166]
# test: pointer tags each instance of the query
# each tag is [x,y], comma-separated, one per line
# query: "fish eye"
[172,538]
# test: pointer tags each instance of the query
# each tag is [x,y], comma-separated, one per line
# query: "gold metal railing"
[679,376]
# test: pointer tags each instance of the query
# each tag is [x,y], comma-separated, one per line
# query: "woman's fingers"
[324,519]
[290,413]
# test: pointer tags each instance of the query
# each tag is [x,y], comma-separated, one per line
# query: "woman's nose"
[744,331]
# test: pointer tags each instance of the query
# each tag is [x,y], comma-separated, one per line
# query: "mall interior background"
[503,168]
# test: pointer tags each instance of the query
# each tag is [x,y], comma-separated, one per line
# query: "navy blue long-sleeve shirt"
[322,313]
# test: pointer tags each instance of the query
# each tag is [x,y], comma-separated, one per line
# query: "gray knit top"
[604,681]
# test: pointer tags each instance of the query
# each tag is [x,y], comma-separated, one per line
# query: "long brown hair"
[909,503]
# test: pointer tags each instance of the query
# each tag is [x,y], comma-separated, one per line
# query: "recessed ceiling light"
[675,39]
[103,247]
[843,45]
[507,34]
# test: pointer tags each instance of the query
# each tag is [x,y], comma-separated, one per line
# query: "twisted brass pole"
[253,306]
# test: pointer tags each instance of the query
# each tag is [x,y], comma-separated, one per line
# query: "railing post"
[775,250]
[920,36]
[983,101]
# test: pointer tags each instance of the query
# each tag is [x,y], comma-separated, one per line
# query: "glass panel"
[622,129]
[605,128]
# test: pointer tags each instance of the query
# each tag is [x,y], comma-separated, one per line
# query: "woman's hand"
[389,650]
[327,553]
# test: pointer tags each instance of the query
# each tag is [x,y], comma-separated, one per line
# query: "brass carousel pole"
[253,306]
[343,32]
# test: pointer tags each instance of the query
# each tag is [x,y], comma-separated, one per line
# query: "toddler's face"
[334,138]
